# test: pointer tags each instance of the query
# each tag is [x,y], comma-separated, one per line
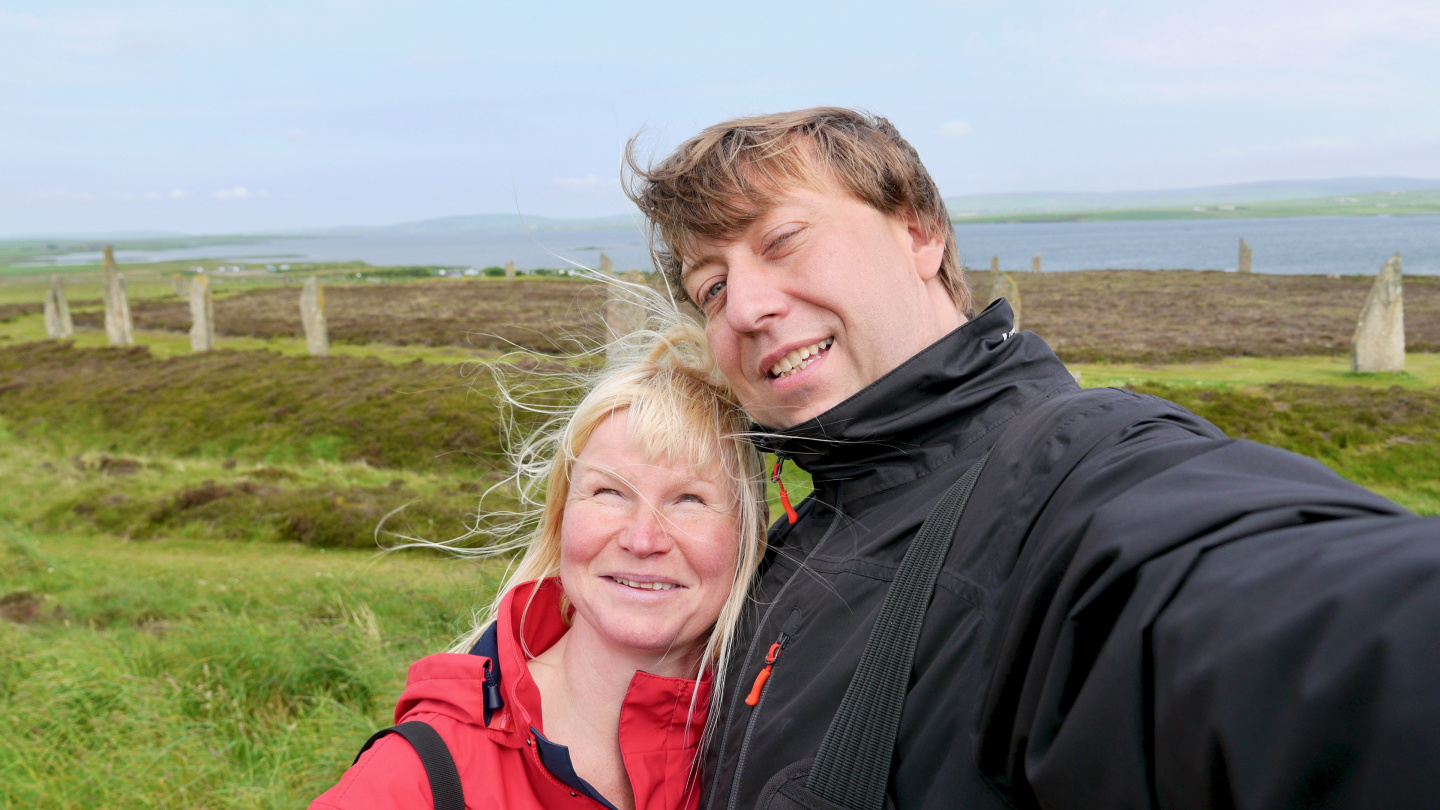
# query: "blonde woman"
[588,681]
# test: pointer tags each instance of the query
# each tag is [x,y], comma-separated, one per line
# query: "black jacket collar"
[922,414]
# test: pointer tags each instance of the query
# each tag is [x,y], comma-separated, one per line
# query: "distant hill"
[1239,193]
[504,222]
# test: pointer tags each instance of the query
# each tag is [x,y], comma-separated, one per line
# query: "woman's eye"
[690,497]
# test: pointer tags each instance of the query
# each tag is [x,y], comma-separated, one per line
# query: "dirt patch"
[107,465]
[10,312]
[1164,316]
[541,314]
[315,515]
[24,607]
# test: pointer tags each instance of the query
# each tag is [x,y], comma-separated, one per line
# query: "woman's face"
[647,550]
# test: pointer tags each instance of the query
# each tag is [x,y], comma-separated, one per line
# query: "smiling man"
[1135,612]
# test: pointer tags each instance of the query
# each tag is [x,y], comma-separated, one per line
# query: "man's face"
[816,300]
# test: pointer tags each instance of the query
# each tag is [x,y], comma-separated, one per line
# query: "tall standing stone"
[202,314]
[58,324]
[1379,342]
[1005,287]
[509,271]
[312,315]
[623,313]
[1244,256]
[118,329]
[1035,264]
[994,264]
[607,267]
[179,286]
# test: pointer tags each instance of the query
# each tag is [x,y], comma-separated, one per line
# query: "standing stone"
[1005,287]
[202,314]
[510,271]
[1035,264]
[1379,342]
[607,267]
[312,315]
[179,287]
[118,328]
[1244,257]
[994,264]
[58,325]
[623,313]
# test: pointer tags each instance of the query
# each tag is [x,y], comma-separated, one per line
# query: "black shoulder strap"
[435,756]
[852,768]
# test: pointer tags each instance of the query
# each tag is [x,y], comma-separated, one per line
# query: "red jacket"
[504,760]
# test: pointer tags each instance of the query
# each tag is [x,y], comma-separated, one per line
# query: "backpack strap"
[435,756]
[852,768]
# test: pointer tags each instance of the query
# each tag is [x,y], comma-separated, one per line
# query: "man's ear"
[926,250]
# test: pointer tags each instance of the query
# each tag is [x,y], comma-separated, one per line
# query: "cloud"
[589,182]
[240,193]
[955,129]
[178,194]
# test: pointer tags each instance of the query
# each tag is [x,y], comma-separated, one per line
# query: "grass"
[251,406]
[167,668]
[193,611]
[1422,371]
[1381,438]
[180,673]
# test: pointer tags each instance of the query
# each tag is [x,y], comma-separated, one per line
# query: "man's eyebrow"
[691,267]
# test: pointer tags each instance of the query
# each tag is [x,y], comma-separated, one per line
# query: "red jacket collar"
[659,732]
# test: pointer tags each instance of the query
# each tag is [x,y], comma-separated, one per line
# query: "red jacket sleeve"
[389,776]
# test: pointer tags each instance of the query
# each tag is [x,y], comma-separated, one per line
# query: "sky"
[225,117]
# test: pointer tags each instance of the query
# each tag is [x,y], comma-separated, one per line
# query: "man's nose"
[753,295]
[646,534]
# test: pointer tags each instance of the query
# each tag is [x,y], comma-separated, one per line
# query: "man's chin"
[783,417]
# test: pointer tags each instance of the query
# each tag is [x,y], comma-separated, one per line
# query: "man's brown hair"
[731,174]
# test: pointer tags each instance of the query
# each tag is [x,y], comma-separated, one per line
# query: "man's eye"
[709,293]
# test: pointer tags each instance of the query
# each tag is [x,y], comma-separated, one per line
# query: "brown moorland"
[1167,316]
[541,314]
[1147,316]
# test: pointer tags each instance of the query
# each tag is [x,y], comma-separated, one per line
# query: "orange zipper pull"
[754,696]
[790,513]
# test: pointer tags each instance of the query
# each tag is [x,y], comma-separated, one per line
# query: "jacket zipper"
[756,698]
[764,619]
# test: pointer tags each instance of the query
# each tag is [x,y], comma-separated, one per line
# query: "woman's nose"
[646,534]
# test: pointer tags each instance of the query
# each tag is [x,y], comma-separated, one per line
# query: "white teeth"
[799,358]
[647,586]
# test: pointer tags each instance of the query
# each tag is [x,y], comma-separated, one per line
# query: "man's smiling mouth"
[799,358]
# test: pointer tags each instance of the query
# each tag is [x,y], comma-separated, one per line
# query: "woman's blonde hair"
[680,410]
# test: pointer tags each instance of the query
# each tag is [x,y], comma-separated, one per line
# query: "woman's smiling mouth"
[645,586]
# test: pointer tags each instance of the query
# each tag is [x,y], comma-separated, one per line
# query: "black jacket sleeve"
[1201,622]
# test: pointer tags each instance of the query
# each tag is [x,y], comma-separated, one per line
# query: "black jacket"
[1137,611]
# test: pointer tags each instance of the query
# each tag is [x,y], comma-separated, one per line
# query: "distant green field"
[1377,204]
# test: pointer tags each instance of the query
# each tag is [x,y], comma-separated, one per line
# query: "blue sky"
[211,117]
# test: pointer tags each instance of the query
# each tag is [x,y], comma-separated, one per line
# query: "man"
[1136,611]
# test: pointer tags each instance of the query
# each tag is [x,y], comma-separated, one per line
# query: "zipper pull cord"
[760,679]
[790,514]
[493,701]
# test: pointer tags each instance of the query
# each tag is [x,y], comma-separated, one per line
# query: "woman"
[588,681]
